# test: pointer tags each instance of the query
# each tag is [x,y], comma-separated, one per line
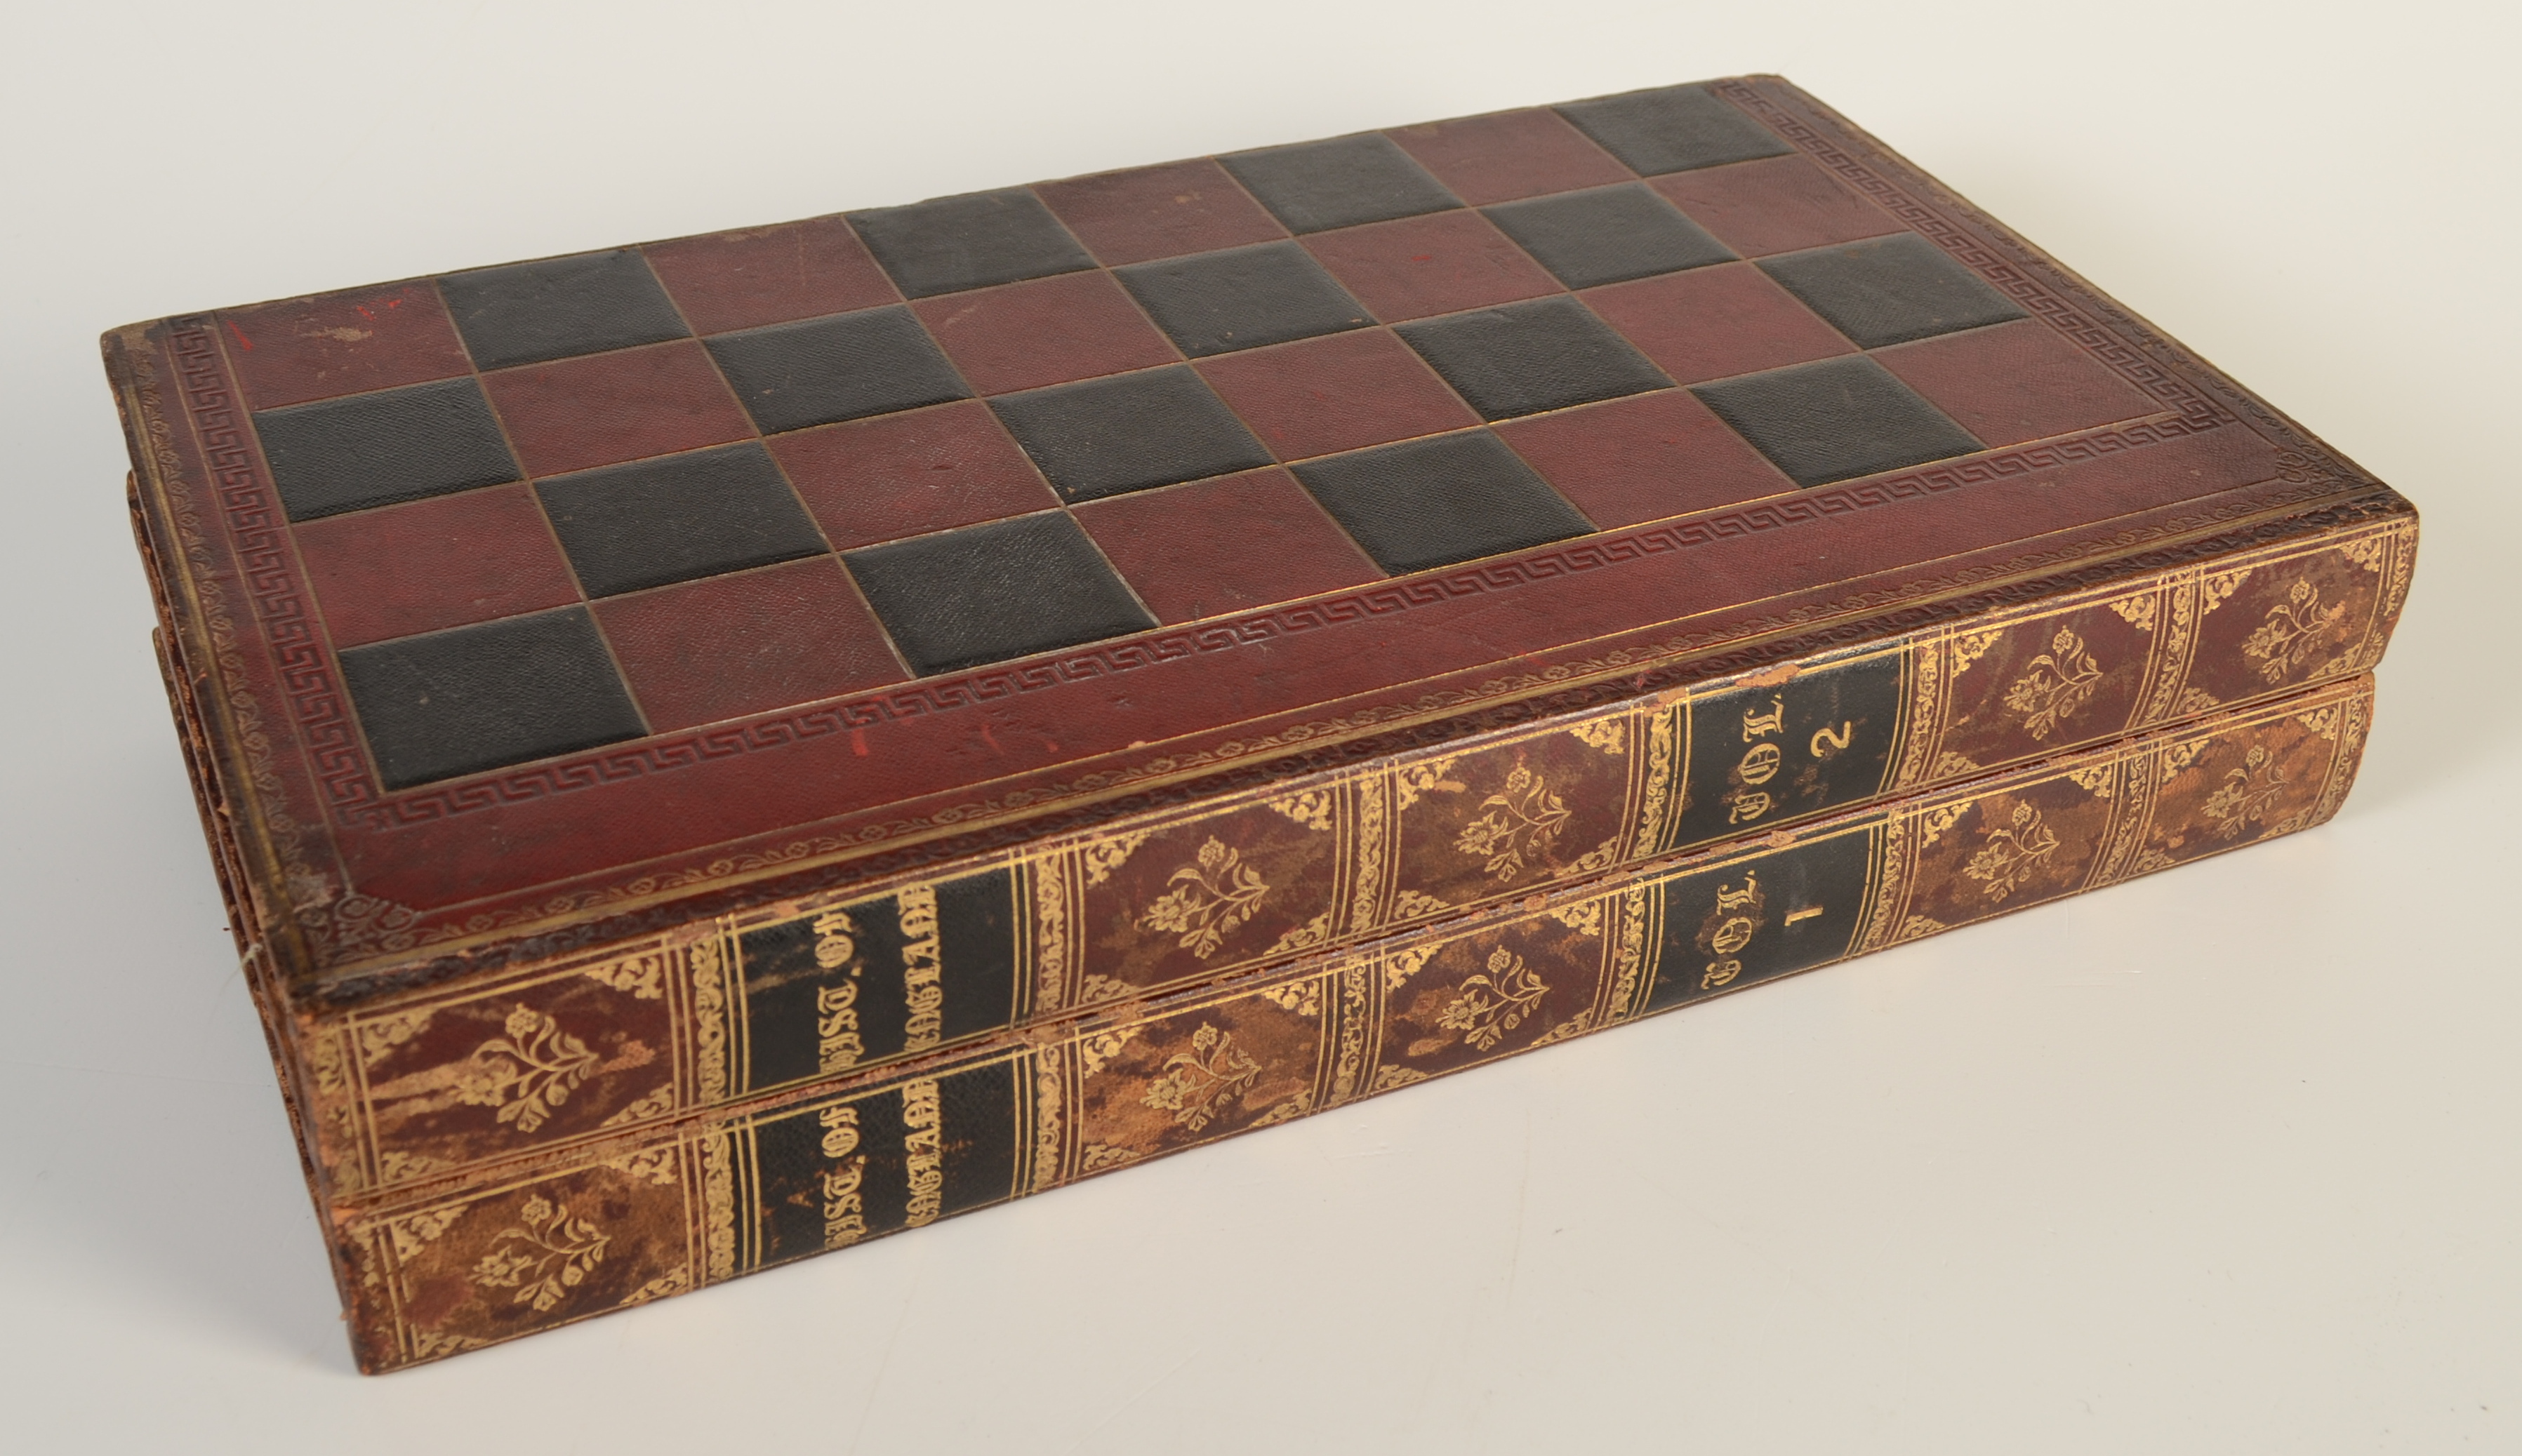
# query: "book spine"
[576,1048]
[633,1218]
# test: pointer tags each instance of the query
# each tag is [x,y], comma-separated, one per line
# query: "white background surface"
[2224,1160]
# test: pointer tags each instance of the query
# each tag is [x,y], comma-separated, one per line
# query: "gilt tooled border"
[350,788]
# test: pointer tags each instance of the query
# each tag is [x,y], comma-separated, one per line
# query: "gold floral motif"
[709,1020]
[393,1166]
[1047,1104]
[2323,721]
[1099,1156]
[1629,957]
[1305,937]
[2247,794]
[1097,1050]
[660,1287]
[1389,1077]
[1303,997]
[1522,819]
[325,1057]
[2153,859]
[1917,925]
[379,1037]
[1660,754]
[2136,611]
[717,1204]
[1111,853]
[2213,590]
[1197,1082]
[2193,701]
[1608,734]
[1427,776]
[1933,823]
[656,1103]
[1287,1111]
[2094,780]
[1051,932]
[1373,826]
[1411,905]
[526,1073]
[433,1345]
[1311,809]
[657,1165]
[1212,898]
[2293,631]
[416,1232]
[1953,767]
[1099,988]
[1970,647]
[543,1255]
[1402,963]
[1491,1002]
[2012,852]
[2178,756]
[637,976]
[2059,681]
[1601,857]
[1585,917]
[2372,552]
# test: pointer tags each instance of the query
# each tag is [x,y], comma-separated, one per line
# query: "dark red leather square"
[748,642]
[769,275]
[433,563]
[893,475]
[1049,331]
[1776,204]
[1508,155]
[1643,458]
[1158,211]
[1712,322]
[1342,391]
[602,409]
[2014,381]
[1440,263]
[1224,545]
[343,344]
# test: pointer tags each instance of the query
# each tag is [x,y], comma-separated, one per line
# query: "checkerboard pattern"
[565,503]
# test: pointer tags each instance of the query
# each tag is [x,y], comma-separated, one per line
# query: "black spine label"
[1762,757]
[832,1174]
[1761,918]
[880,979]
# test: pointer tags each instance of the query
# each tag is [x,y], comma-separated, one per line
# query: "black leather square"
[987,593]
[1890,289]
[1241,298]
[1442,500]
[1524,358]
[1836,419]
[1672,130]
[1607,235]
[365,450]
[469,699]
[946,245]
[1339,183]
[651,522]
[845,367]
[1129,431]
[525,313]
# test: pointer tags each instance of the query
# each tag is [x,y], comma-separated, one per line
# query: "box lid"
[536,603]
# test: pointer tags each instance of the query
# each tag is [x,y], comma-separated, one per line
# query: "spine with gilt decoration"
[576,1049]
[446,1264]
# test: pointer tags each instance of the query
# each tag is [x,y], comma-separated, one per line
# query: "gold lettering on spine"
[837,1016]
[844,1192]
[923,994]
[923,1152]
